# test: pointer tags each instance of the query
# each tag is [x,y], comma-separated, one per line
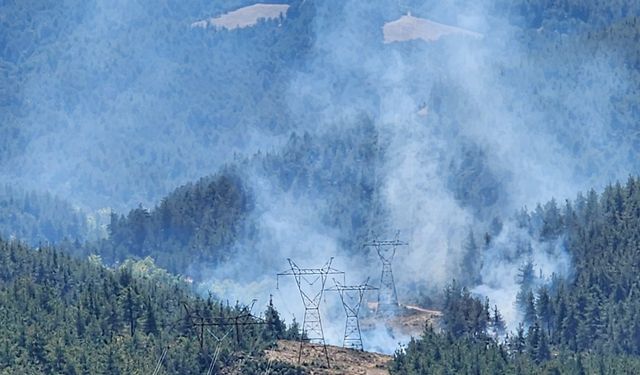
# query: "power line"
[311,282]
[156,370]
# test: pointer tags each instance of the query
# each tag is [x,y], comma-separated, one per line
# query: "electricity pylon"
[311,283]
[352,297]
[387,295]
[241,319]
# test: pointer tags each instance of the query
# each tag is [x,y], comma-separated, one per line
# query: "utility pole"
[311,282]
[352,297]
[387,295]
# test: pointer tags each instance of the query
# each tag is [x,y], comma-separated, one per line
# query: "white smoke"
[352,72]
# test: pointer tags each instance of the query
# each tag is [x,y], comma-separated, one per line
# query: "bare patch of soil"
[409,28]
[410,320]
[342,361]
[244,17]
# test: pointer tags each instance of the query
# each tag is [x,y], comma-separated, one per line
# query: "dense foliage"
[207,221]
[436,353]
[124,103]
[201,220]
[587,324]
[117,105]
[40,218]
[61,315]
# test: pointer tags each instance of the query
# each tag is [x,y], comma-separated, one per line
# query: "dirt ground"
[408,28]
[415,319]
[410,321]
[342,361]
[244,17]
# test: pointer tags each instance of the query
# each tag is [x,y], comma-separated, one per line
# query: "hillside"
[408,28]
[245,17]
[38,217]
[62,315]
[571,326]
[159,159]
[117,105]
[342,361]
[212,220]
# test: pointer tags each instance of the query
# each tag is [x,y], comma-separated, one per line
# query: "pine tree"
[497,322]
[275,328]
[150,323]
[545,309]
[518,342]
[471,261]
[533,341]
[130,306]
[526,280]
[293,332]
[530,310]
[543,352]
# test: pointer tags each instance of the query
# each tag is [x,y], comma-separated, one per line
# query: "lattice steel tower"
[387,295]
[311,282]
[352,297]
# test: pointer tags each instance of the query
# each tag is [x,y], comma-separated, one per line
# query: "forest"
[210,218]
[585,325]
[146,165]
[40,218]
[63,315]
[76,316]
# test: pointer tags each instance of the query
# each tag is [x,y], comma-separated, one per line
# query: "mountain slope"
[62,315]
[212,221]
[585,323]
[118,105]
[36,217]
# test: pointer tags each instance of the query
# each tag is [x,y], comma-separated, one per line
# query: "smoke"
[424,154]
[503,263]
[121,102]
[287,226]
[468,131]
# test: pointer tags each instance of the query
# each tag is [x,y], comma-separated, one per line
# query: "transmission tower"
[243,318]
[387,295]
[311,283]
[352,296]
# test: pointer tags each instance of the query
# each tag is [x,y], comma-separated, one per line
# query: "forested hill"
[41,218]
[124,103]
[574,15]
[221,150]
[206,222]
[65,316]
[116,106]
[200,221]
[112,106]
[586,324]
